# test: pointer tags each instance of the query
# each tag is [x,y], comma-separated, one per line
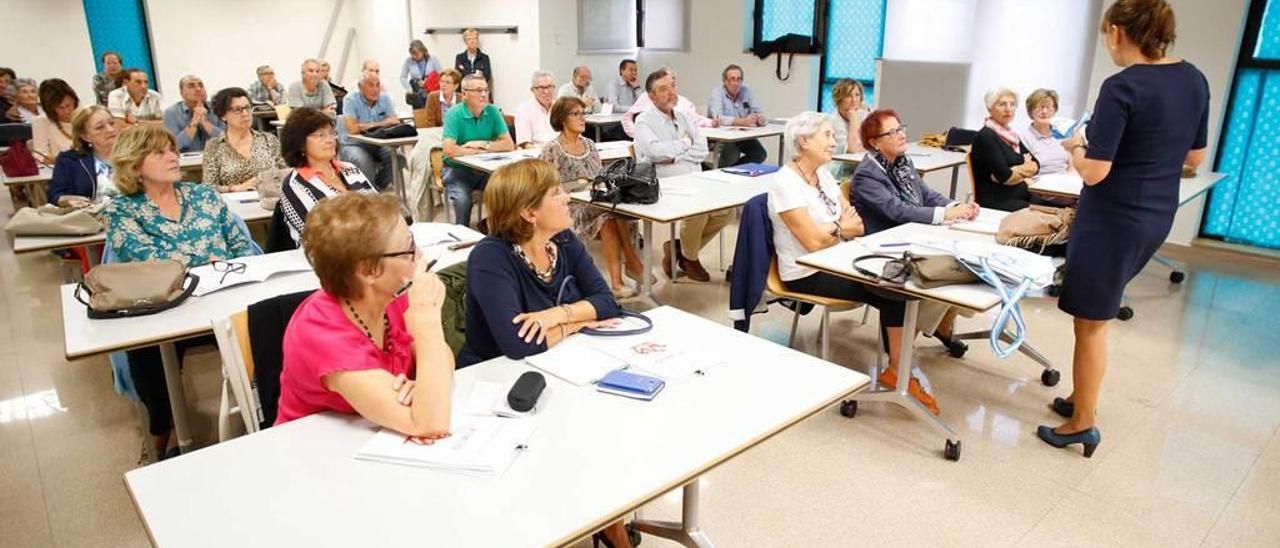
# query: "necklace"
[385,326]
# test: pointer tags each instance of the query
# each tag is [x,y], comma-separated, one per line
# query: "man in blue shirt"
[734,105]
[368,110]
[192,120]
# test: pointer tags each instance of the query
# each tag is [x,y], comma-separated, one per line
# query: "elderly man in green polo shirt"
[472,127]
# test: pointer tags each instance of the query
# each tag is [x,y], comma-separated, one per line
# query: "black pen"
[431,264]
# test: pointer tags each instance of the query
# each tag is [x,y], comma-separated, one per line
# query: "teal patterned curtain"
[855,39]
[120,26]
[786,17]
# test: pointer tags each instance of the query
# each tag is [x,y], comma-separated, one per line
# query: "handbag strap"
[648,326]
[873,275]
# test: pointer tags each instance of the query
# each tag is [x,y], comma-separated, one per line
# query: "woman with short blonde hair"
[848,96]
[379,308]
[84,173]
[1042,106]
[158,218]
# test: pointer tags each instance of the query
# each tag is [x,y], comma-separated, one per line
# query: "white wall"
[1209,39]
[49,39]
[514,57]
[717,39]
[224,41]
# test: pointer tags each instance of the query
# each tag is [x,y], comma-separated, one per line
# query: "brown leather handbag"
[125,290]
[1036,227]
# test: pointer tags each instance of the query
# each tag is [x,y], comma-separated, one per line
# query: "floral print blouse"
[224,167]
[205,230]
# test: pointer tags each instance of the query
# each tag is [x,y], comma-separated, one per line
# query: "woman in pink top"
[362,344]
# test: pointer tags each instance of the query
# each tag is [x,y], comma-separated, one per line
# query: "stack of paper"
[478,446]
[988,222]
[253,269]
[655,356]
[575,360]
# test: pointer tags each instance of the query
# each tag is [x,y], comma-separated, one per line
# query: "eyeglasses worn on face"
[241,110]
[412,252]
[543,88]
[902,129]
[578,114]
[481,91]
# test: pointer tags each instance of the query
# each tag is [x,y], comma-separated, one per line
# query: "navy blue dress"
[1145,121]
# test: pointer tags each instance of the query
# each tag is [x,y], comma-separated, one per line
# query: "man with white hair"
[533,117]
[667,137]
[370,66]
[266,89]
[364,111]
[191,120]
[312,90]
[580,86]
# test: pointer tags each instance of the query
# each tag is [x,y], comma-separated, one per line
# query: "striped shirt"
[305,188]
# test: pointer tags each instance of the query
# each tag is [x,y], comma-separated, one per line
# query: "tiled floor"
[1190,453]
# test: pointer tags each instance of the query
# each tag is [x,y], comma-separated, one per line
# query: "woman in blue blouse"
[157,218]
[530,283]
[1150,120]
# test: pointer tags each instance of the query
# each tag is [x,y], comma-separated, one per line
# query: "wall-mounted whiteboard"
[606,26]
[930,97]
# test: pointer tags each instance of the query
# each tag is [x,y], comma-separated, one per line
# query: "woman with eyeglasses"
[233,160]
[379,309]
[809,214]
[309,145]
[1042,106]
[157,218]
[578,162]
[889,191]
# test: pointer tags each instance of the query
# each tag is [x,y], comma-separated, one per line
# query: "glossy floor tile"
[1190,418]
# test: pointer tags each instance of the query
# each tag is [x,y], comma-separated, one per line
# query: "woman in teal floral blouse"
[158,218]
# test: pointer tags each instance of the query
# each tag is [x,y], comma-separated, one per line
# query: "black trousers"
[147,369]
[892,311]
[742,152]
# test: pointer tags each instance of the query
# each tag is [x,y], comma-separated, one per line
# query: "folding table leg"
[687,532]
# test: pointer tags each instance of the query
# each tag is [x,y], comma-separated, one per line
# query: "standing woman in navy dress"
[1149,120]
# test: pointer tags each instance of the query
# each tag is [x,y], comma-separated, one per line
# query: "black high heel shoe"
[1063,407]
[955,348]
[1090,438]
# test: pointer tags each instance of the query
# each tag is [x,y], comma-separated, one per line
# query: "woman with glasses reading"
[309,145]
[809,214]
[157,218]
[379,309]
[233,160]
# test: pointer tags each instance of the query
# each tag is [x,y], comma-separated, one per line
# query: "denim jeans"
[459,182]
[374,161]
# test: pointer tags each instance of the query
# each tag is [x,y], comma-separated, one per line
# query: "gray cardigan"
[878,202]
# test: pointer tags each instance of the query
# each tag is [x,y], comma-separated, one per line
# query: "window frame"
[824,79]
[818,33]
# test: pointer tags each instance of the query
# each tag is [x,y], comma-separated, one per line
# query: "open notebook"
[584,359]
[223,274]
[477,446]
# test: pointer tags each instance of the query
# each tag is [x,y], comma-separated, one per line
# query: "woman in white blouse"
[810,213]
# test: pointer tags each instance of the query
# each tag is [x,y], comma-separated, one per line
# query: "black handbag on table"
[626,182]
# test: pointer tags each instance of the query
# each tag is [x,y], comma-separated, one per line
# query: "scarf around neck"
[1007,135]
[902,173]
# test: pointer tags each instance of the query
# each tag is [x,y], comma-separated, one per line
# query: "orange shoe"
[889,377]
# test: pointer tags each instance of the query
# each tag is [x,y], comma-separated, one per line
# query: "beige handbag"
[51,220]
[270,182]
[123,290]
[1036,227]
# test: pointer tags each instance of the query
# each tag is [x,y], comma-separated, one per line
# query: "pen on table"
[249,201]
[454,236]
[431,264]
[463,245]
[895,244]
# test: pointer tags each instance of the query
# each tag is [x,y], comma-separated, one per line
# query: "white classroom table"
[246,205]
[973,298]
[926,159]
[733,134]
[185,161]
[397,172]
[490,161]
[682,197]
[83,337]
[593,459]
[600,121]
[1069,185]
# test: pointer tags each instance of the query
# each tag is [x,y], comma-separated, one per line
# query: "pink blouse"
[321,340]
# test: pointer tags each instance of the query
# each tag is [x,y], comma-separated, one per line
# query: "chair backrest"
[511,125]
[282,112]
[267,321]
[420,117]
[437,168]
[232,335]
[278,237]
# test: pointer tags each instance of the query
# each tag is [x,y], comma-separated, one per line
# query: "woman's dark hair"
[6,70]
[113,54]
[52,92]
[1148,23]
[293,136]
[561,108]
[222,100]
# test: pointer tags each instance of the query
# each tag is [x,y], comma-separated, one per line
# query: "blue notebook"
[751,170]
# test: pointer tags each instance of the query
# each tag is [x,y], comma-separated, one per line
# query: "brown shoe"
[694,270]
